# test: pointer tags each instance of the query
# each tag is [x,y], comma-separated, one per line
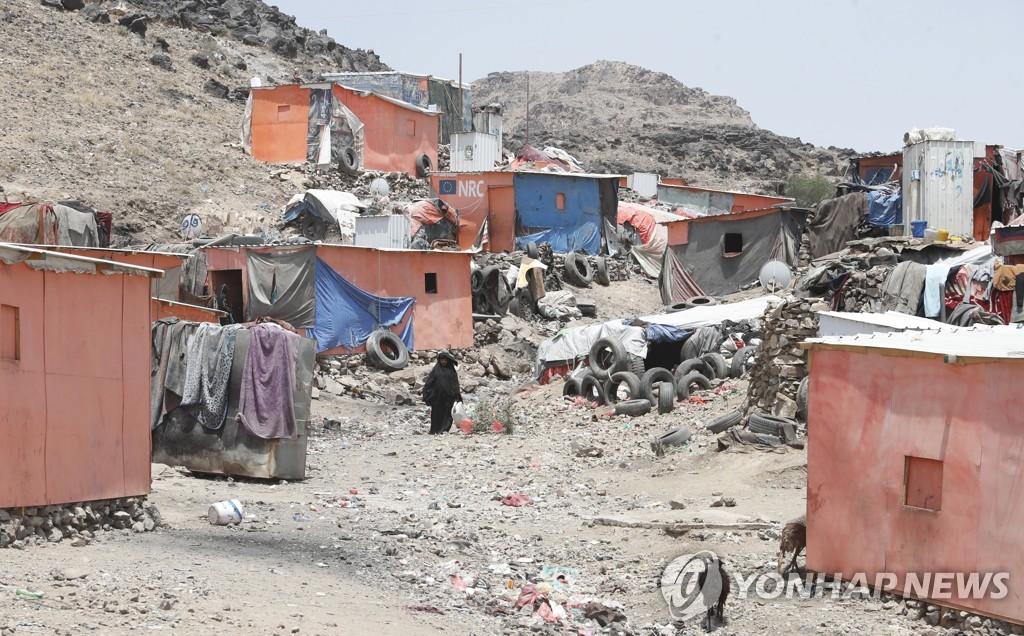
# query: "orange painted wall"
[280,119]
[441,320]
[395,136]
[191,313]
[879,409]
[678,233]
[477,198]
[74,409]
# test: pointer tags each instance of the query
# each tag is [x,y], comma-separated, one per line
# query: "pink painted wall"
[876,411]
[74,406]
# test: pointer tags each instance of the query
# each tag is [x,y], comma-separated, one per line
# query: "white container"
[474,152]
[938,186]
[224,513]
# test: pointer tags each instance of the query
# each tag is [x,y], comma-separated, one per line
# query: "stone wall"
[79,522]
[780,364]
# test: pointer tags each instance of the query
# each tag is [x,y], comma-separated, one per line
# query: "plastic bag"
[458,412]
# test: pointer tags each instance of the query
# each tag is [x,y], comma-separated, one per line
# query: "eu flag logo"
[447,186]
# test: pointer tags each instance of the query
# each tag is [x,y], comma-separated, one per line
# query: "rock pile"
[402,186]
[780,364]
[20,527]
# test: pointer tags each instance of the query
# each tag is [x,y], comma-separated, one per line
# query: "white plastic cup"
[224,513]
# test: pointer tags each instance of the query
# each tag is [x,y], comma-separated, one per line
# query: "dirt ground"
[391,523]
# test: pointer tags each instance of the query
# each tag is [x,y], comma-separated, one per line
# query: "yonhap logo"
[692,584]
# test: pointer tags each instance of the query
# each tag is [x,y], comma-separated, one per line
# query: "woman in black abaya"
[441,391]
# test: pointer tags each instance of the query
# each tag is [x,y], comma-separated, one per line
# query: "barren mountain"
[618,117]
[117,105]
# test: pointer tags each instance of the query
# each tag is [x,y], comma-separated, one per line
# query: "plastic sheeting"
[281,286]
[335,207]
[885,208]
[836,222]
[714,314]
[666,333]
[574,344]
[19,223]
[346,315]
[651,254]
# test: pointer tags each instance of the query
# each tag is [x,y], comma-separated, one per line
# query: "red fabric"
[551,372]
[635,215]
[9,206]
[517,500]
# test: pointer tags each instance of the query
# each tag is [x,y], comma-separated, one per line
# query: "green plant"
[809,189]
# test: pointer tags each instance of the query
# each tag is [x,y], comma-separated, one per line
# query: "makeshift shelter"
[62,223]
[424,91]
[340,294]
[328,123]
[572,211]
[920,436]
[74,369]
[723,253]
[708,202]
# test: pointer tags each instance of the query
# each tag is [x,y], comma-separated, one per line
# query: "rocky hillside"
[118,105]
[617,117]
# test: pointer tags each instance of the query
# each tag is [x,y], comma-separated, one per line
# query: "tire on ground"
[716,363]
[476,281]
[675,437]
[700,301]
[385,350]
[693,364]
[592,390]
[611,387]
[652,377]
[348,162]
[607,356]
[725,422]
[633,408]
[666,397]
[601,272]
[689,350]
[577,270]
[767,424]
[571,387]
[684,384]
[738,364]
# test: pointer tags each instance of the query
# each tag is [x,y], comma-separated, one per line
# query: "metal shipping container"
[391,231]
[644,183]
[474,152]
[938,186]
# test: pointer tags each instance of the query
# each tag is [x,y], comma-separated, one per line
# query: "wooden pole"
[462,124]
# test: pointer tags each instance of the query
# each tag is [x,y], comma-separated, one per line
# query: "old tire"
[677,307]
[611,387]
[637,365]
[801,398]
[313,227]
[532,251]
[348,161]
[675,437]
[716,363]
[607,356]
[652,377]
[633,408]
[738,364]
[700,301]
[694,364]
[592,390]
[666,397]
[725,422]
[386,350]
[693,378]
[571,387]
[476,281]
[423,166]
[767,424]
[577,270]
[601,272]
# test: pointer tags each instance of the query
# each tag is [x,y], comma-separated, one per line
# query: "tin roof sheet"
[995,342]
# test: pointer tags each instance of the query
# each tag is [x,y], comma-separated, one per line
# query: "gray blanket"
[265,402]
[161,334]
[836,222]
[903,288]
[211,352]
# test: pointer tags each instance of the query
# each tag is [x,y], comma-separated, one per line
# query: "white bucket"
[226,512]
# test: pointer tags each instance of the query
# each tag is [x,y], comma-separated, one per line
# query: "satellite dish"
[775,275]
[191,227]
[379,188]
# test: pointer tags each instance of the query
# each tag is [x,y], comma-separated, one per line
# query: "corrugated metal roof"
[12,253]
[892,320]
[714,314]
[675,186]
[583,175]
[396,102]
[115,250]
[998,342]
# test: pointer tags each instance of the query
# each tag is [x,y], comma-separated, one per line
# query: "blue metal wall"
[576,227]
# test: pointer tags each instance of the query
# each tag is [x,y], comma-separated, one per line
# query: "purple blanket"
[265,406]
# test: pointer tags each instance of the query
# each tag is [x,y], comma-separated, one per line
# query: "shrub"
[809,189]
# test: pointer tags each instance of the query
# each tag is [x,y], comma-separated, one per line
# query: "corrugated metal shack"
[938,185]
[74,378]
[914,460]
[708,202]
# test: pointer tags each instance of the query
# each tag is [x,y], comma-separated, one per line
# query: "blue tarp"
[346,316]
[666,333]
[577,226]
[884,208]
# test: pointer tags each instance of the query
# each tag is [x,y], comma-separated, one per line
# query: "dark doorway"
[233,296]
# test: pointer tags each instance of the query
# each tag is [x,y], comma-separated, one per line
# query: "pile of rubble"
[77,521]
[402,186]
[780,364]
[852,281]
[444,157]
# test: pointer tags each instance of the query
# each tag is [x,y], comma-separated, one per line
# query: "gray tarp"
[76,228]
[282,286]
[772,236]
[570,345]
[836,222]
[903,288]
